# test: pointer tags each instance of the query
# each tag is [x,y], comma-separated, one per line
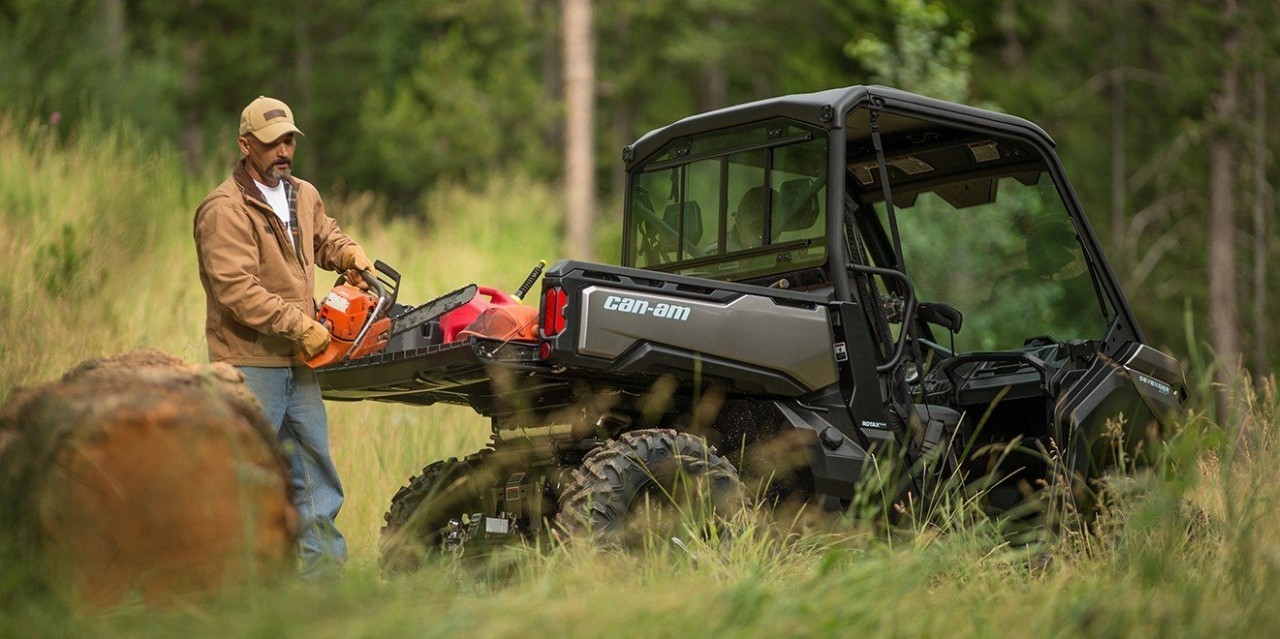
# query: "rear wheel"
[418,518]
[656,481]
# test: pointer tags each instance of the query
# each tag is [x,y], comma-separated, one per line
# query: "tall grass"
[1194,550]
[97,235]
[90,234]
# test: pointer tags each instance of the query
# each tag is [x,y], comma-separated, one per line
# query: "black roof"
[829,109]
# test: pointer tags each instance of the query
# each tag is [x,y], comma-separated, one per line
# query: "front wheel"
[650,481]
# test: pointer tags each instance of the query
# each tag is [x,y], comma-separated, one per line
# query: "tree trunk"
[1011,53]
[552,83]
[1119,184]
[111,18]
[191,52]
[1261,205]
[304,109]
[714,90]
[622,123]
[1224,313]
[579,140]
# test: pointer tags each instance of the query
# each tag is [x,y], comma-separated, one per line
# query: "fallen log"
[144,475]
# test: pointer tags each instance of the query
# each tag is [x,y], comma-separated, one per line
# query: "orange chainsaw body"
[344,312]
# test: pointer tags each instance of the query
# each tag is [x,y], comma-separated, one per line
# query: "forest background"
[1159,107]
[438,133]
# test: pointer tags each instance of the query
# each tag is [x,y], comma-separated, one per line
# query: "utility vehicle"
[818,293]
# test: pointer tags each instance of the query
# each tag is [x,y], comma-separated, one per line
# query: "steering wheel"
[948,366]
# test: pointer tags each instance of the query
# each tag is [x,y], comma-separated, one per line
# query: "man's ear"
[244,145]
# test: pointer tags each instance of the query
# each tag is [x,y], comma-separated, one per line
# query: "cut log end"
[143,474]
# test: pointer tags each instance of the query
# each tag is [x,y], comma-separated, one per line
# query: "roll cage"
[870,133]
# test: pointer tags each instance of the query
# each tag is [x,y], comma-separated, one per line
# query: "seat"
[687,213]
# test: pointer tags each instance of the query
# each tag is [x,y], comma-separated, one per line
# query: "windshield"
[1012,262]
[735,204]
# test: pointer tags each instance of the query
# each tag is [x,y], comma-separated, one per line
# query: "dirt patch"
[143,474]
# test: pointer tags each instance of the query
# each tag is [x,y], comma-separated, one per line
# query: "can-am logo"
[643,307]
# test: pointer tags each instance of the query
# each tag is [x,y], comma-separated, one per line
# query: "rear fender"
[837,452]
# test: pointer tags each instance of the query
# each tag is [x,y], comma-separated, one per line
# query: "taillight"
[553,303]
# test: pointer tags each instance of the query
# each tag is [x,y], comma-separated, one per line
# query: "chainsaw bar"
[433,309]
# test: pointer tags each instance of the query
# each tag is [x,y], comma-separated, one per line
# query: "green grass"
[1195,553]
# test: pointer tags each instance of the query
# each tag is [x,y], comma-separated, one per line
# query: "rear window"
[734,204]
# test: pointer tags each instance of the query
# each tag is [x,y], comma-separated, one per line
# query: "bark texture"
[579,94]
[1224,311]
[146,475]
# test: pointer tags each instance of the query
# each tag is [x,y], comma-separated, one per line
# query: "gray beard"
[277,172]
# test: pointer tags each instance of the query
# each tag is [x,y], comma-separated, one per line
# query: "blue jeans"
[291,401]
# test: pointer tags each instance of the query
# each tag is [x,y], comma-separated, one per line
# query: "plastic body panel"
[1140,385]
[632,323]
[751,329]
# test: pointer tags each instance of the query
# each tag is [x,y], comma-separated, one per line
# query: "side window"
[749,202]
[702,201]
[801,194]
[646,231]
[676,212]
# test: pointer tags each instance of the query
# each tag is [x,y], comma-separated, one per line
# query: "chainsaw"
[360,322]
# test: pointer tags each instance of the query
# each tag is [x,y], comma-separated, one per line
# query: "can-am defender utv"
[814,289]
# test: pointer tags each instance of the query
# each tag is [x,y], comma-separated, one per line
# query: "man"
[748,227]
[258,237]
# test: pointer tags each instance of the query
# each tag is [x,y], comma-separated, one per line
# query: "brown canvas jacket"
[259,297]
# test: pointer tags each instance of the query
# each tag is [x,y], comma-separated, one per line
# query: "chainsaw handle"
[393,275]
[374,283]
[371,278]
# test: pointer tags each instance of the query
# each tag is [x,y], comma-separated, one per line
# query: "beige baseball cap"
[267,119]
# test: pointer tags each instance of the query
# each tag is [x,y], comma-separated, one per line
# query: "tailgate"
[491,376]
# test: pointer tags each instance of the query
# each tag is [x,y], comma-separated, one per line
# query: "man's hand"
[313,340]
[355,261]
[353,257]
[354,278]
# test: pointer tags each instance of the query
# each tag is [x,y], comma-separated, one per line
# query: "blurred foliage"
[920,53]
[455,115]
[60,263]
[95,209]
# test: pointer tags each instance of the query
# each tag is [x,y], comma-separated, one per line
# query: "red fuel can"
[456,320]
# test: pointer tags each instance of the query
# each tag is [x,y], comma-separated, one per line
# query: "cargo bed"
[491,376]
